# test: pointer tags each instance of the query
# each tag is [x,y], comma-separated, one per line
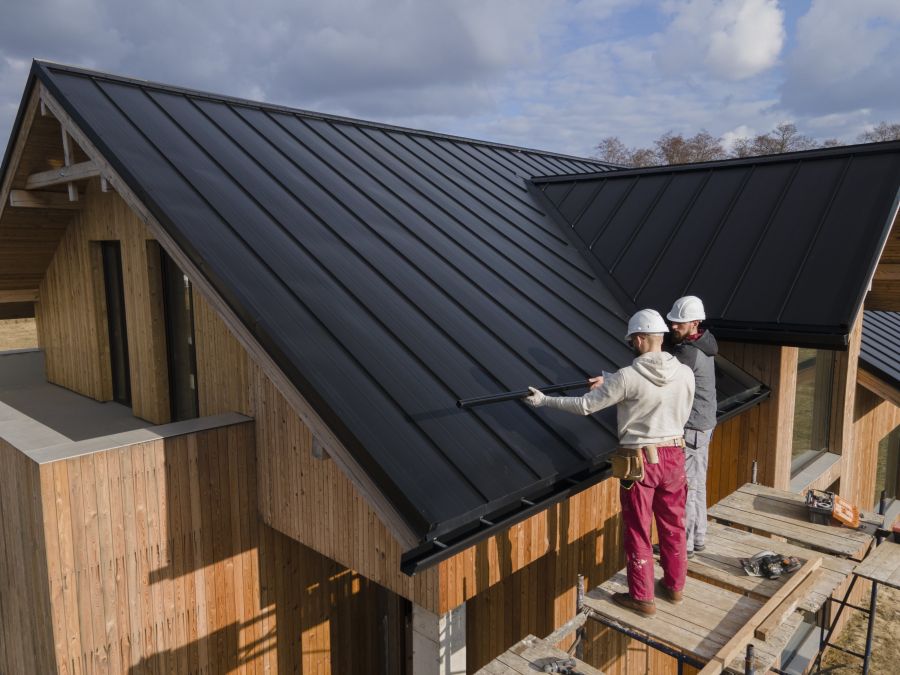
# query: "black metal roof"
[780,248]
[879,351]
[388,272]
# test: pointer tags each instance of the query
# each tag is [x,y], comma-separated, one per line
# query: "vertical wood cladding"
[306,498]
[72,310]
[885,293]
[762,433]
[874,418]
[156,562]
[26,635]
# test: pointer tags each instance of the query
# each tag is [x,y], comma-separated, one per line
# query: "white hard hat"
[688,308]
[646,321]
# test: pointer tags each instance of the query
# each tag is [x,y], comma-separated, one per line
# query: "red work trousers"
[662,493]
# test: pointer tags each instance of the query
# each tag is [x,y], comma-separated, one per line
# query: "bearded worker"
[696,348]
[653,397]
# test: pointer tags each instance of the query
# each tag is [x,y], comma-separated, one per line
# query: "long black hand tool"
[521,393]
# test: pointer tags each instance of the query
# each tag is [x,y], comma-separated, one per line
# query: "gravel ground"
[17,334]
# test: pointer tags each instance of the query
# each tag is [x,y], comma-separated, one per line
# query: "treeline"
[672,148]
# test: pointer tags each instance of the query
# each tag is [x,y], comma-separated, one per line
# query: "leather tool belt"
[628,463]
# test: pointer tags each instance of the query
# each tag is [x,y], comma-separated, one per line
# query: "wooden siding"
[765,432]
[885,293]
[874,418]
[26,640]
[308,499]
[156,562]
[842,433]
[71,313]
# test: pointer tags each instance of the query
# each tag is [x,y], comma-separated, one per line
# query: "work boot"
[640,606]
[666,593]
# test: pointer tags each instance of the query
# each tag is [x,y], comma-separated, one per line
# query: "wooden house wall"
[307,498]
[26,640]
[874,418]
[156,562]
[885,292]
[71,312]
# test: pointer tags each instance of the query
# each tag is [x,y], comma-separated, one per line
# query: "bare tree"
[880,132]
[784,138]
[742,146]
[672,148]
[641,157]
[611,149]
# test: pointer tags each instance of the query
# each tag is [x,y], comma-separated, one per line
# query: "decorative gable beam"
[67,158]
[33,199]
[66,174]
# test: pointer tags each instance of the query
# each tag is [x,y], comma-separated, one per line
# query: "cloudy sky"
[553,74]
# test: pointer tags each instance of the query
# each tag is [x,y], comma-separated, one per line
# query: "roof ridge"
[784,157]
[223,98]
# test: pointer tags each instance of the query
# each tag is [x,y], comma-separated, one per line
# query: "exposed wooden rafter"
[67,159]
[35,199]
[878,386]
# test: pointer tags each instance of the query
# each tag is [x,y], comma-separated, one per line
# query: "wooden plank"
[531,655]
[65,174]
[778,616]
[724,545]
[25,295]
[785,514]
[786,528]
[739,641]
[882,565]
[689,627]
[36,199]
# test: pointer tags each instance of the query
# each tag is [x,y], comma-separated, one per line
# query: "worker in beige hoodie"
[653,398]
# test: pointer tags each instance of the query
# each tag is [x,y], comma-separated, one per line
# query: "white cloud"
[554,74]
[728,39]
[846,58]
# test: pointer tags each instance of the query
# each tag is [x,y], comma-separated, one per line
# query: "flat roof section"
[49,423]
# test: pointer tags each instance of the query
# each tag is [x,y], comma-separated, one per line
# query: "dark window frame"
[171,274]
[116,321]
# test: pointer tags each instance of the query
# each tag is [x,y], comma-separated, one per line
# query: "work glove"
[537,398]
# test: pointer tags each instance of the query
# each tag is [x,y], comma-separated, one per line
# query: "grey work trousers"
[696,460]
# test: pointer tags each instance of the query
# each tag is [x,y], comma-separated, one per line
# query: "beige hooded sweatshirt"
[654,396]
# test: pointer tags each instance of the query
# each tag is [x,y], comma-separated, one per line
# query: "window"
[114,287]
[887,476]
[178,305]
[812,406]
